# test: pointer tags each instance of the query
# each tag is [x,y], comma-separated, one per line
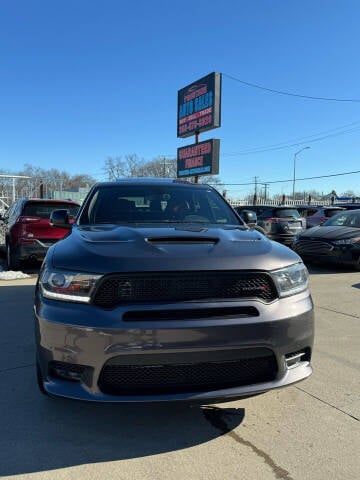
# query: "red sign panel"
[198,159]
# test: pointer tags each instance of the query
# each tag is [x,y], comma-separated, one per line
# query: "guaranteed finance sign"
[198,159]
[199,106]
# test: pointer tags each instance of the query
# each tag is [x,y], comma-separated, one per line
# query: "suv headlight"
[67,286]
[291,280]
[347,241]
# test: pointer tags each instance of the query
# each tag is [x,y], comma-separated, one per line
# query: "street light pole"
[295,155]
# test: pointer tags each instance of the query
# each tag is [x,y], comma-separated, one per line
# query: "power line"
[290,180]
[250,152]
[285,144]
[290,94]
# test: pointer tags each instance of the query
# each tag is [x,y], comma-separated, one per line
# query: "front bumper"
[33,249]
[346,255]
[286,239]
[83,335]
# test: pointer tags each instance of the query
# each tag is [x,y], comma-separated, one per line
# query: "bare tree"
[117,167]
[132,166]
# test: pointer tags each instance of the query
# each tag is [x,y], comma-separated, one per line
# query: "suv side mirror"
[60,219]
[249,217]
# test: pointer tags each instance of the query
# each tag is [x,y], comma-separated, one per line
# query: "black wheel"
[357,264]
[40,380]
[12,260]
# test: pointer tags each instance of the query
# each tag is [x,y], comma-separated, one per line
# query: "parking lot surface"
[307,431]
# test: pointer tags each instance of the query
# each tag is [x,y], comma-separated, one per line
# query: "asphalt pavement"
[307,431]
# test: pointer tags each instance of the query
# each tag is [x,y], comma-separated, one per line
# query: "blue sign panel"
[199,106]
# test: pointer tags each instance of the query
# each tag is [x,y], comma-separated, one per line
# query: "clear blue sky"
[82,80]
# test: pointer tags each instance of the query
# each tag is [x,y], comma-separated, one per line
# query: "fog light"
[67,371]
[292,360]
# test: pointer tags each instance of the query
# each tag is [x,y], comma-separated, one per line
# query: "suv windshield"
[344,219]
[146,203]
[286,213]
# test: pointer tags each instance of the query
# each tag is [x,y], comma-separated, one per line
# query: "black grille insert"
[155,287]
[182,373]
[190,314]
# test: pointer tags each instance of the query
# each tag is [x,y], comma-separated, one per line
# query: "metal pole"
[294,177]
[197,134]
[293,189]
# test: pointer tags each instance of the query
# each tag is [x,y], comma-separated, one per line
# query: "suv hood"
[331,232]
[110,248]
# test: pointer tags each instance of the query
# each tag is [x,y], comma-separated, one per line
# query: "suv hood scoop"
[182,240]
[122,248]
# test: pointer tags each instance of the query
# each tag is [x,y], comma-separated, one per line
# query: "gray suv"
[280,223]
[160,292]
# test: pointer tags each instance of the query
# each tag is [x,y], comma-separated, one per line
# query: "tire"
[309,260]
[40,380]
[12,260]
[357,264]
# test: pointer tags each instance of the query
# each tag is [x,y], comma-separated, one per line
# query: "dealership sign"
[198,159]
[199,106]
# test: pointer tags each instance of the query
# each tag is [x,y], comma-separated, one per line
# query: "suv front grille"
[157,287]
[183,375]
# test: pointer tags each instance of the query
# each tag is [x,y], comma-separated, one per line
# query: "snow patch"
[12,275]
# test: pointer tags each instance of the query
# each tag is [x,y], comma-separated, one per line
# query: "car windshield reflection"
[134,204]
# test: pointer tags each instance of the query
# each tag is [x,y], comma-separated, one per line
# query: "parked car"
[280,223]
[160,293]
[26,229]
[348,206]
[337,240]
[316,215]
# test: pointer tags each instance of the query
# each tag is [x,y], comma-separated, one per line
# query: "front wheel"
[12,260]
[357,264]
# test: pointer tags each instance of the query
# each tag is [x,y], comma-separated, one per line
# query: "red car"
[26,228]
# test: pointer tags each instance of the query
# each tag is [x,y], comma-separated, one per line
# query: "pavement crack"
[336,311]
[328,404]
[17,368]
[217,418]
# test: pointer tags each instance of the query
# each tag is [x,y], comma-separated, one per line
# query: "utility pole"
[255,192]
[294,175]
[266,186]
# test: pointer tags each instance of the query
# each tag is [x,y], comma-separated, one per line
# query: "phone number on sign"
[196,124]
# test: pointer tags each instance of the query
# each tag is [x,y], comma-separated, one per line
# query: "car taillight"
[28,219]
[23,241]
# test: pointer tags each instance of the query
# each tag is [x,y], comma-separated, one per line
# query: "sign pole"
[197,134]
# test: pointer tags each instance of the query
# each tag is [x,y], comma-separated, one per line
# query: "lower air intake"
[117,378]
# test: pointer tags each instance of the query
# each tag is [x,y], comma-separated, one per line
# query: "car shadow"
[317,269]
[40,433]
